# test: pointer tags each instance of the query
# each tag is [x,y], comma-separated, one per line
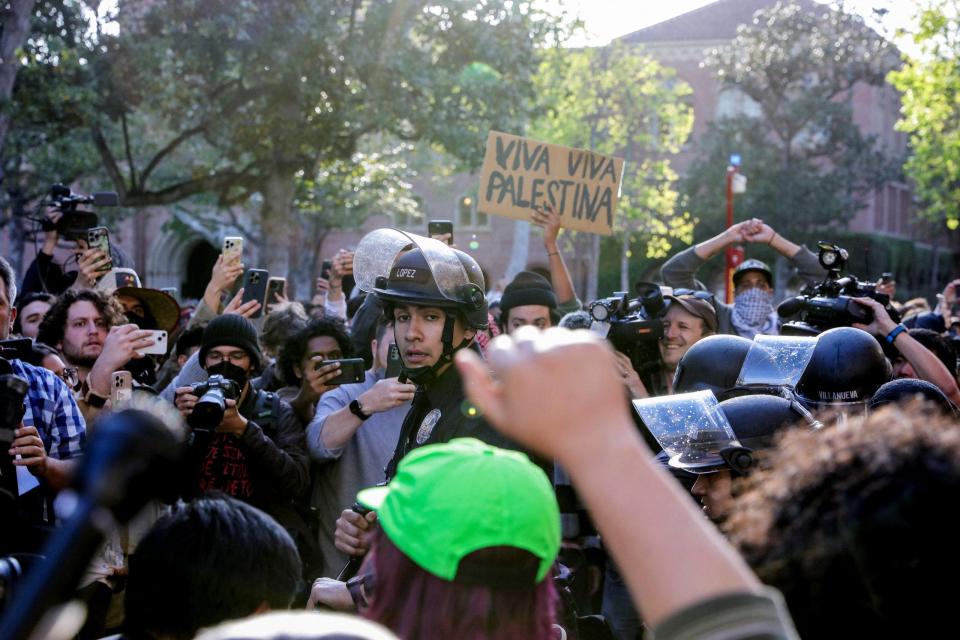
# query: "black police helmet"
[756,419]
[906,389]
[712,364]
[474,307]
[847,365]
[412,282]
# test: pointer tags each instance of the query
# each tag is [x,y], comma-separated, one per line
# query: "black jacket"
[274,448]
[440,413]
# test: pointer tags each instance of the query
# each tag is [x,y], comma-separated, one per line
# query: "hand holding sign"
[520,174]
[548,219]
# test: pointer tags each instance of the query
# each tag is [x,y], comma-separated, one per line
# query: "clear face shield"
[776,361]
[837,414]
[378,250]
[774,365]
[693,431]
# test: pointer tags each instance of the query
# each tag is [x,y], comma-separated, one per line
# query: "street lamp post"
[736,183]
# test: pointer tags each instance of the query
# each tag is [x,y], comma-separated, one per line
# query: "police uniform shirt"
[441,413]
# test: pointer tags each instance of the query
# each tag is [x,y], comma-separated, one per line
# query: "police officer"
[435,296]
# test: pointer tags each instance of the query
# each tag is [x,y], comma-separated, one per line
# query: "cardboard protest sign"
[519,174]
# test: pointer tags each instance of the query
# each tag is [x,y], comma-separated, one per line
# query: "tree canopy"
[792,70]
[244,97]
[930,112]
[618,101]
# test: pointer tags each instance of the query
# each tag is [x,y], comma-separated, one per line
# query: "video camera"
[830,304]
[75,222]
[632,325]
[213,394]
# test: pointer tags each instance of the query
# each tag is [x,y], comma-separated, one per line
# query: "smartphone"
[325,269]
[255,288]
[232,249]
[122,389]
[99,238]
[351,370]
[439,227]
[159,347]
[394,363]
[276,287]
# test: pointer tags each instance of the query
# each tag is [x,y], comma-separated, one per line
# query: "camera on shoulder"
[830,303]
[75,221]
[632,325]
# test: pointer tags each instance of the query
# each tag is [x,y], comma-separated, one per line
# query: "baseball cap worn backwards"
[450,500]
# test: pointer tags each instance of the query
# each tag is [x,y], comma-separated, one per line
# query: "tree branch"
[109,162]
[235,221]
[167,150]
[187,188]
[126,147]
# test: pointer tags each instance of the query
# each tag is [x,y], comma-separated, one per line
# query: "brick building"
[889,213]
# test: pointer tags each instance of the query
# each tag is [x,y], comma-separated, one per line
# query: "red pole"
[728,272]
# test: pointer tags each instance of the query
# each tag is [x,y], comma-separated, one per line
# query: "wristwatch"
[357,409]
[91,398]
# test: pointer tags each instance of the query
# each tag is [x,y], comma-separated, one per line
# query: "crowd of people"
[502,467]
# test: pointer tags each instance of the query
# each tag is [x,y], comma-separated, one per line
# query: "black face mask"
[143,322]
[229,371]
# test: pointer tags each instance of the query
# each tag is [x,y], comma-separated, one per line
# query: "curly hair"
[853,524]
[295,348]
[285,319]
[55,322]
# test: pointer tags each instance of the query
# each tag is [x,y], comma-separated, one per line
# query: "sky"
[608,19]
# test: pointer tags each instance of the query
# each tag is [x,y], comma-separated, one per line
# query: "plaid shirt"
[52,409]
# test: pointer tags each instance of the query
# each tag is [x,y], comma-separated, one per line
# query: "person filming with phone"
[310,362]
[352,437]
[90,329]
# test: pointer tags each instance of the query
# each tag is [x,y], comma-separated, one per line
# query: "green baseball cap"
[449,500]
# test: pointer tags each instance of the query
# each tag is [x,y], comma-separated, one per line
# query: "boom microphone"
[129,461]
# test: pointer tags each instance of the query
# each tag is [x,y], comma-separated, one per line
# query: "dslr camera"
[75,222]
[830,303]
[632,325]
[213,394]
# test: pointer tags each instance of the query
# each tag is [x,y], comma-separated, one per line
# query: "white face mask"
[753,306]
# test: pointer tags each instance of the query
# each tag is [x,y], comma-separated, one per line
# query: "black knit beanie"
[231,330]
[528,288]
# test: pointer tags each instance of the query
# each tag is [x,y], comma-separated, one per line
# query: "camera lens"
[599,311]
[208,412]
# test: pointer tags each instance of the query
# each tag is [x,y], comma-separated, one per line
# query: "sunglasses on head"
[695,293]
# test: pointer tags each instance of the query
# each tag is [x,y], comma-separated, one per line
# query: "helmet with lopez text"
[404,268]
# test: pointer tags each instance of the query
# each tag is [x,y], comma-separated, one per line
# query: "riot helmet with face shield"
[712,363]
[847,367]
[406,269]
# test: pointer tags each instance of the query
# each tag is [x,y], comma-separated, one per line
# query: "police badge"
[426,427]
